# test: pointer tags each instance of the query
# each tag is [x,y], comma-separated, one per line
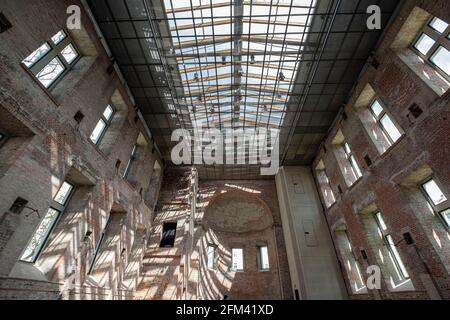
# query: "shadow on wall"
[237,220]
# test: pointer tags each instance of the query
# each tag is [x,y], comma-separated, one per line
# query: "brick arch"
[231,198]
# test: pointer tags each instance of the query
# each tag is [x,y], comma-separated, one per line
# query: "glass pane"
[60,36]
[69,53]
[98,131]
[424,43]
[264,258]
[36,55]
[446,216]
[63,193]
[390,128]
[377,109]
[347,148]
[40,235]
[108,113]
[434,192]
[441,58]
[51,72]
[237,263]
[355,166]
[397,256]
[380,220]
[438,25]
[211,251]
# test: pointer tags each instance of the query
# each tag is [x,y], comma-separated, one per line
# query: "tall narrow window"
[351,159]
[263,258]
[102,125]
[168,235]
[324,184]
[211,256]
[47,224]
[433,45]
[130,162]
[53,59]
[392,248]
[98,246]
[237,259]
[438,201]
[385,122]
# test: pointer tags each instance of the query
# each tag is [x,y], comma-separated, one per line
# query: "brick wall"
[46,145]
[386,183]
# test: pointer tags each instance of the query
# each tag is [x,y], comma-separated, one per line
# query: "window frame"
[55,51]
[131,160]
[440,208]
[98,246]
[243,259]
[60,208]
[380,124]
[106,122]
[323,171]
[214,247]
[386,235]
[440,39]
[259,258]
[349,155]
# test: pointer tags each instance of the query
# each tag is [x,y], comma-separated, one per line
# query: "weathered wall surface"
[45,146]
[229,214]
[390,181]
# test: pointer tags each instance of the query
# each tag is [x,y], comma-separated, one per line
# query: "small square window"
[438,25]
[60,36]
[434,192]
[376,107]
[36,55]
[168,235]
[424,44]
[108,113]
[51,72]
[69,53]
[441,58]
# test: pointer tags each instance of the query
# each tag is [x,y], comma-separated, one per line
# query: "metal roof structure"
[284,64]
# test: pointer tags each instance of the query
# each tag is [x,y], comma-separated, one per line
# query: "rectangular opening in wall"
[237,259]
[211,256]
[263,258]
[47,223]
[168,235]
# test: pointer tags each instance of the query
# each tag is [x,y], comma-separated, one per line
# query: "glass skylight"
[238,59]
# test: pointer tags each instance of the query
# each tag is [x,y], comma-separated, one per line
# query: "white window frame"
[349,155]
[232,260]
[130,162]
[107,123]
[441,208]
[55,52]
[260,260]
[391,246]
[211,261]
[441,40]
[378,119]
[59,209]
